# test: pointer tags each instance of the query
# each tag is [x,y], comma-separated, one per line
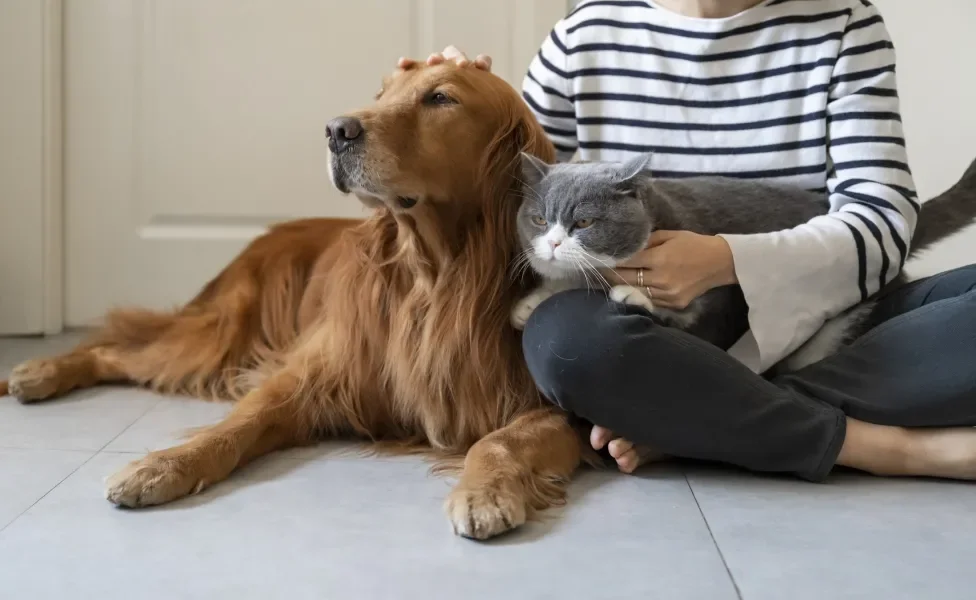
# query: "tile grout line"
[711,534]
[76,469]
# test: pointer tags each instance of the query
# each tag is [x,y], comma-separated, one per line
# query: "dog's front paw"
[150,481]
[483,511]
[34,380]
[626,294]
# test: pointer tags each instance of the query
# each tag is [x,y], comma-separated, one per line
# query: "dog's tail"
[949,212]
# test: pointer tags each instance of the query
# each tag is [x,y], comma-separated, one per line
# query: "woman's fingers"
[627,276]
[483,61]
[451,53]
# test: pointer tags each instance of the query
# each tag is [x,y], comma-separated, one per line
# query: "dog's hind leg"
[512,472]
[170,352]
[44,378]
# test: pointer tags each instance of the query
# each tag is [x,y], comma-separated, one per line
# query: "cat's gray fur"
[625,204]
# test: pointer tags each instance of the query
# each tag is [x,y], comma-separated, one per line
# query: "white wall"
[936,48]
[935,43]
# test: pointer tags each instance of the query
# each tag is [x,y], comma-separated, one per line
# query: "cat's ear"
[533,169]
[635,167]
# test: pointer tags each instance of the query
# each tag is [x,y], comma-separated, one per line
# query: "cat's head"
[580,215]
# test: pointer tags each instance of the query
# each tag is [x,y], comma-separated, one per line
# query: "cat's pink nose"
[554,243]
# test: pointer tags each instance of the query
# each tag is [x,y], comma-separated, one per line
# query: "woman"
[799,92]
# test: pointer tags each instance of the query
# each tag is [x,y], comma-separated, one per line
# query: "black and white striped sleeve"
[795,280]
[547,90]
[871,187]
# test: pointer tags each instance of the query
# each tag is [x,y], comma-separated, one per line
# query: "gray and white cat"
[576,218]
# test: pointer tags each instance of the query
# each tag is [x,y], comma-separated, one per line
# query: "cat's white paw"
[626,294]
[524,308]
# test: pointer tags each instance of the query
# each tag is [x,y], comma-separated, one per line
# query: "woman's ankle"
[949,452]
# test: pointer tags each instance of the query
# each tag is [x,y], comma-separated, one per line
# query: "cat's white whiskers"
[588,258]
[604,284]
[521,263]
[581,267]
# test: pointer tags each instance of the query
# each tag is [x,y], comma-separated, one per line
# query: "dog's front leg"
[269,418]
[512,472]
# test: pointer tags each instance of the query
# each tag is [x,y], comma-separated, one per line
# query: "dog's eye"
[439,98]
[583,223]
[539,221]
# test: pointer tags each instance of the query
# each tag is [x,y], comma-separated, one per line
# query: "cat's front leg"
[682,319]
[631,296]
[524,308]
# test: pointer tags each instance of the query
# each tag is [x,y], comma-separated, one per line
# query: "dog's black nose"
[342,132]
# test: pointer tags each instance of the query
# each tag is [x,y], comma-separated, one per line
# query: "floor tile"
[83,420]
[358,528]
[26,475]
[854,537]
[15,350]
[167,422]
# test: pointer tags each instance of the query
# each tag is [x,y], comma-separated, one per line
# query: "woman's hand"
[482,61]
[678,266]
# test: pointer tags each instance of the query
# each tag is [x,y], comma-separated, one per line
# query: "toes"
[619,446]
[628,461]
[600,437]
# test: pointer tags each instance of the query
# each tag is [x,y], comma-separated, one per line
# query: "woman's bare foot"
[930,452]
[627,455]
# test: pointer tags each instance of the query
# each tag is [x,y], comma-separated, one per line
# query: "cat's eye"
[539,221]
[583,223]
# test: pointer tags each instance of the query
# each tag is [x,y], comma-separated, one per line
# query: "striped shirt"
[800,92]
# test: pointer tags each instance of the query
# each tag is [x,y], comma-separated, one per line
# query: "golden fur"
[390,329]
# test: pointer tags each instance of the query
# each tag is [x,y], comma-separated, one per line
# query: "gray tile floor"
[323,523]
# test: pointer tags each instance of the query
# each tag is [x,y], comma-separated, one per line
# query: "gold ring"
[648,290]
[640,277]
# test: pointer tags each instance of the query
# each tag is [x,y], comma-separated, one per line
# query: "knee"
[571,343]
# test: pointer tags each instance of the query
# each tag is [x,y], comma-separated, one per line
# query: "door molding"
[52,187]
[31,149]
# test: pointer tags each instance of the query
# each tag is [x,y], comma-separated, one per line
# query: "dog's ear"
[533,169]
[520,135]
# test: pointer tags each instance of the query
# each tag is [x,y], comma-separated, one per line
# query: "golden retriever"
[390,329]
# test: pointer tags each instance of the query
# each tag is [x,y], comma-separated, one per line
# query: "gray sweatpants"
[655,385]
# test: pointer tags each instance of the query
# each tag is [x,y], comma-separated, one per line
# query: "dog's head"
[443,139]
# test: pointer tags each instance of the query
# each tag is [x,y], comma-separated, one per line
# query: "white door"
[190,125]
[30,166]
